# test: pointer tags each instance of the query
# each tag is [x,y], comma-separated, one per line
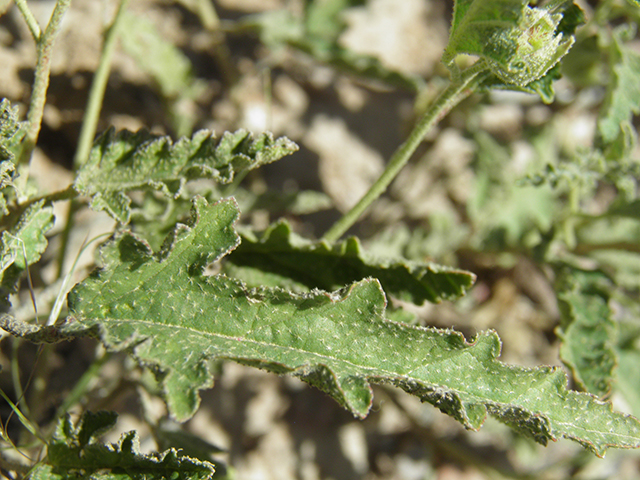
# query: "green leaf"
[613,242]
[171,317]
[153,216]
[22,244]
[7,174]
[125,161]
[503,212]
[74,453]
[303,202]
[11,132]
[317,34]
[623,94]
[280,253]
[520,44]
[587,329]
[628,380]
[630,210]
[166,64]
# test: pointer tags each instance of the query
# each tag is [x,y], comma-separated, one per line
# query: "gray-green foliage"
[282,258]
[338,341]
[317,309]
[317,33]
[22,244]
[124,161]
[521,44]
[588,330]
[75,452]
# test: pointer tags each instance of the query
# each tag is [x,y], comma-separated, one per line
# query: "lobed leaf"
[587,329]
[154,216]
[281,254]
[74,453]
[125,161]
[173,318]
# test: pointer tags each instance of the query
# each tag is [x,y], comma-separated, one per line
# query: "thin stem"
[208,15]
[570,222]
[98,87]
[461,88]
[64,238]
[32,23]
[15,374]
[66,194]
[44,47]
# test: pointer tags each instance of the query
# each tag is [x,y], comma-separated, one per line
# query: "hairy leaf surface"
[22,244]
[125,161]
[11,130]
[520,44]
[281,253]
[11,133]
[74,452]
[171,317]
[587,330]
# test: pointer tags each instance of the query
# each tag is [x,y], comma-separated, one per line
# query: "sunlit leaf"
[280,253]
[125,161]
[74,452]
[519,43]
[23,244]
[163,309]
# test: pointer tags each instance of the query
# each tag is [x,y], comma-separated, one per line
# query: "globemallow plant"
[317,310]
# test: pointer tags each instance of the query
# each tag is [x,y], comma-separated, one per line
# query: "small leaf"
[623,95]
[74,453]
[22,245]
[281,253]
[171,317]
[317,33]
[125,161]
[11,132]
[166,64]
[587,330]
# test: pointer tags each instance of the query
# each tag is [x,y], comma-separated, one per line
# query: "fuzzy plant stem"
[32,23]
[457,91]
[90,120]
[98,87]
[44,47]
